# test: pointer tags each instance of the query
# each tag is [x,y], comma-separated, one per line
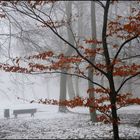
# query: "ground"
[49,124]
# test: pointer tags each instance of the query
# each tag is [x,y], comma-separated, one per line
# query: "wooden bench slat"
[24,111]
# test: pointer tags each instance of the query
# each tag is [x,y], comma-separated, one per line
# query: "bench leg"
[32,114]
[15,115]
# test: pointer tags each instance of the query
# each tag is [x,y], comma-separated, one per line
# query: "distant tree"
[92,58]
[66,81]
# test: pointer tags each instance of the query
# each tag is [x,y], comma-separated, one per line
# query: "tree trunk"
[80,22]
[114,119]
[93,114]
[77,93]
[69,28]
[113,107]
[80,39]
[70,87]
[109,75]
[62,96]
[130,60]
[70,50]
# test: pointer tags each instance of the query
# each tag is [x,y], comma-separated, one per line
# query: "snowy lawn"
[49,124]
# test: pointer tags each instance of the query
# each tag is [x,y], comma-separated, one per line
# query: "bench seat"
[24,111]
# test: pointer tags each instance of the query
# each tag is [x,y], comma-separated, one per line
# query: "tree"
[69,52]
[110,67]
[92,59]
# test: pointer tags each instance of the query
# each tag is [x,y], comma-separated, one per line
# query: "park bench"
[24,111]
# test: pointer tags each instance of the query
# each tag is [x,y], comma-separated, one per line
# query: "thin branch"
[100,3]
[76,50]
[45,15]
[131,57]
[126,81]
[94,82]
[71,74]
[38,18]
[123,45]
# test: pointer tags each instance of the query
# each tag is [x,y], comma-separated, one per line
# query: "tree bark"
[70,50]
[70,87]
[113,93]
[77,93]
[113,107]
[63,78]
[130,61]
[92,111]
[114,119]
[62,96]
[80,39]
[93,114]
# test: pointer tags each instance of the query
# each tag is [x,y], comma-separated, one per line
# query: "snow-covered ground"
[49,124]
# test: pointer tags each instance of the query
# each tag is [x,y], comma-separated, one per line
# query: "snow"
[48,123]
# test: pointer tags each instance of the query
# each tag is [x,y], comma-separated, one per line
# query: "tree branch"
[122,47]
[126,81]
[71,74]
[38,18]
[100,3]
[131,57]
[104,36]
